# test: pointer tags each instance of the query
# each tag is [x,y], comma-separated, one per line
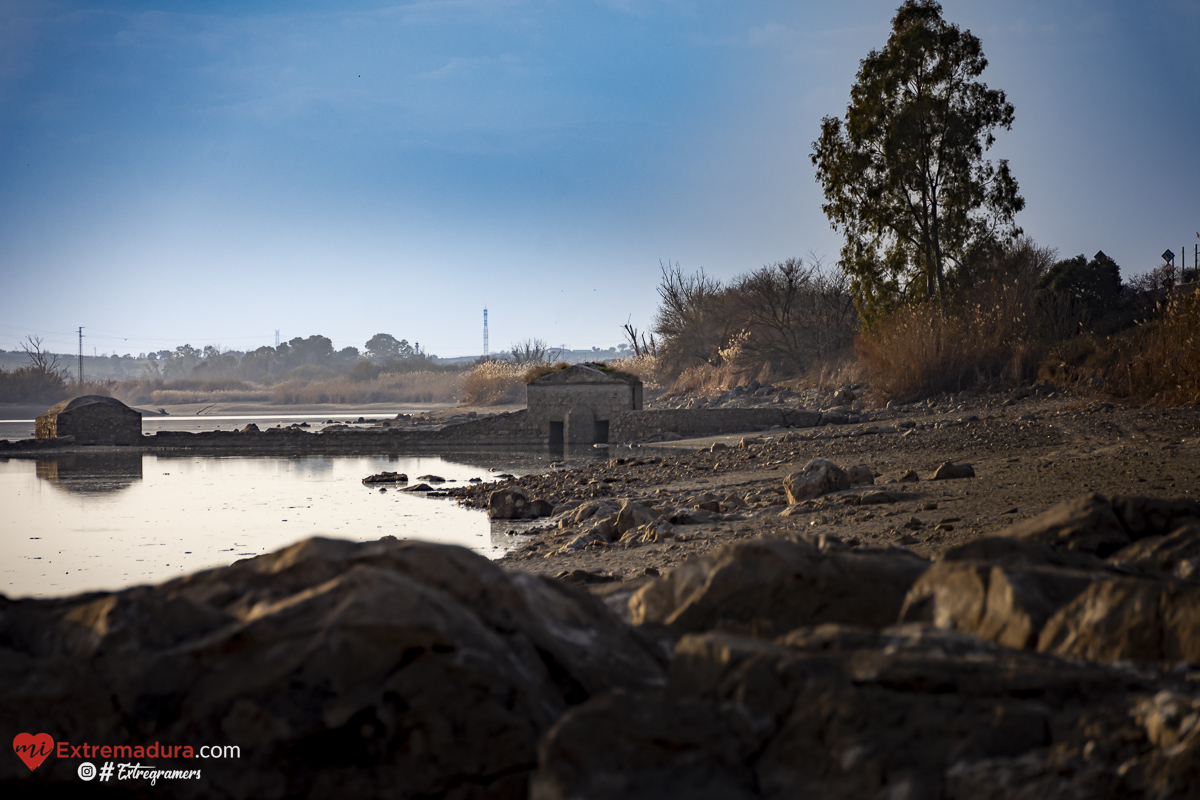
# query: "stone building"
[91,419]
[575,405]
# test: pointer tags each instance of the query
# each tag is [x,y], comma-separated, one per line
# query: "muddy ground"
[1028,451]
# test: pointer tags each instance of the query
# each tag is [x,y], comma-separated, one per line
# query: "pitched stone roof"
[585,373]
[87,400]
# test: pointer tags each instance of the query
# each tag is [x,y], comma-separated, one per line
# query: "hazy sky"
[208,172]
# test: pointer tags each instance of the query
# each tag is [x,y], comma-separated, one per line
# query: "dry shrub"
[645,366]
[734,367]
[920,350]
[390,387]
[493,383]
[185,390]
[1157,362]
[166,397]
[832,373]
[32,385]
[537,370]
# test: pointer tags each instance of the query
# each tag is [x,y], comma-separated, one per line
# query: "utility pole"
[276,338]
[485,338]
[81,355]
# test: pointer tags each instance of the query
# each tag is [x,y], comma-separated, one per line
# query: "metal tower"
[485,341]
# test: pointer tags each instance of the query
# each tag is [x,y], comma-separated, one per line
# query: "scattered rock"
[880,496]
[539,507]
[860,475]
[581,577]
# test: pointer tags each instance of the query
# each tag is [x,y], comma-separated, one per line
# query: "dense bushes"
[1070,321]
[786,318]
[1156,362]
[989,334]
[30,384]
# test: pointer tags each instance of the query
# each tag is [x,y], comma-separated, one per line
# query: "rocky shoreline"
[777,615]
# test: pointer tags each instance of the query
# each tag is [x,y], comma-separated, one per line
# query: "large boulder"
[511,502]
[770,585]
[634,515]
[1132,619]
[381,669]
[906,712]
[819,476]
[1175,554]
[1005,604]
[1097,525]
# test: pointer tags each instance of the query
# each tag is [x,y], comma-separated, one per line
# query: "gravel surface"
[1028,450]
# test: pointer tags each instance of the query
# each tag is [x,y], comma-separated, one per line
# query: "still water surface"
[76,522]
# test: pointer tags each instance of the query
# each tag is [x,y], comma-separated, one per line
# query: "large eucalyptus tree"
[904,174]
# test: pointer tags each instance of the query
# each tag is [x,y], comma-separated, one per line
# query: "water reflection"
[91,473]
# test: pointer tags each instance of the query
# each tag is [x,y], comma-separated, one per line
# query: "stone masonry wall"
[637,426]
[92,424]
[555,402]
[512,429]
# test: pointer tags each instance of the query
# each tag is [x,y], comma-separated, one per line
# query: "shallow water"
[24,428]
[83,521]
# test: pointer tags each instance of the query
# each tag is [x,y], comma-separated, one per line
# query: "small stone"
[951,471]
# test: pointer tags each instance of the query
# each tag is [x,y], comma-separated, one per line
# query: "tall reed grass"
[494,383]
[921,350]
[141,391]
[647,367]
[390,387]
[1155,363]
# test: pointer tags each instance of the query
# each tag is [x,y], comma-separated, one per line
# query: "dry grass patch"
[920,350]
[390,387]
[160,392]
[494,383]
[1157,362]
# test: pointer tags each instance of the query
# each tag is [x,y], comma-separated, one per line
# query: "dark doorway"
[556,432]
[601,431]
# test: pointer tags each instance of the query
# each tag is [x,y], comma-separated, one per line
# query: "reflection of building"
[91,473]
[91,419]
[575,405]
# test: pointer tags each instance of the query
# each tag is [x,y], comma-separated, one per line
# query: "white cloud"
[463,66]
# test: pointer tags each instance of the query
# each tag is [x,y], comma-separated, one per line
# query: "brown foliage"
[390,387]
[1157,362]
[920,350]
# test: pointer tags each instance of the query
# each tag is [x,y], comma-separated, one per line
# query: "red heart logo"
[33,749]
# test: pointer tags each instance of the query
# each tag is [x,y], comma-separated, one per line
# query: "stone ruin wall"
[92,424]
[595,401]
[514,429]
[639,426]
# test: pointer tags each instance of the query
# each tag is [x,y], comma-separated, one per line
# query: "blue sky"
[208,172]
